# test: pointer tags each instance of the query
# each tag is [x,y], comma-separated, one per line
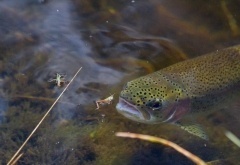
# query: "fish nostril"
[125,86]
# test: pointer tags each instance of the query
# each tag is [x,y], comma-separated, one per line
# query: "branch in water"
[154,139]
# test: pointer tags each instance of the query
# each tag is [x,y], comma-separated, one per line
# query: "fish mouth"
[170,117]
[131,111]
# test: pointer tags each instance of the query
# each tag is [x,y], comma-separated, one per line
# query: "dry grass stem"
[168,143]
[17,158]
[34,130]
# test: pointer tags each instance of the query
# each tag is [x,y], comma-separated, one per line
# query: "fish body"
[185,87]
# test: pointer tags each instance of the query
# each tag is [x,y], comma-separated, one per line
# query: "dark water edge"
[114,42]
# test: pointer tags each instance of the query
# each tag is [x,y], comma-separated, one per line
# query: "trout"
[183,88]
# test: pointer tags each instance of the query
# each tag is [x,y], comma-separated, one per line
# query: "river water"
[113,42]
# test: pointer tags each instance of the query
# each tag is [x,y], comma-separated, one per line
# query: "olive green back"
[207,74]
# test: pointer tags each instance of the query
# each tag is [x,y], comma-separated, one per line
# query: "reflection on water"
[114,42]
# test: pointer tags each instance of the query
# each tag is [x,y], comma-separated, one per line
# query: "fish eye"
[154,104]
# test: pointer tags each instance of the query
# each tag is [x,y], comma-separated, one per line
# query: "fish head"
[152,99]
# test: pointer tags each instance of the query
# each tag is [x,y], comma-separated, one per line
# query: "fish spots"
[195,129]
[201,80]
[213,72]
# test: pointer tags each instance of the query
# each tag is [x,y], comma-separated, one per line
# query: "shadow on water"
[114,42]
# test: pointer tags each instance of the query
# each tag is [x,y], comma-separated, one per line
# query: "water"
[114,42]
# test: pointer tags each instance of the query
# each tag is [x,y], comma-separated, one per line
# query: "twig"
[186,153]
[34,130]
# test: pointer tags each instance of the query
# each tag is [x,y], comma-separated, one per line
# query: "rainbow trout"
[183,88]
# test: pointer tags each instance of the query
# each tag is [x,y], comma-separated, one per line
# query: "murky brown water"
[113,42]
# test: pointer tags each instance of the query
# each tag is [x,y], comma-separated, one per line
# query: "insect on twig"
[108,100]
[59,80]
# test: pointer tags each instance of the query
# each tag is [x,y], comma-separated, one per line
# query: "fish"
[187,87]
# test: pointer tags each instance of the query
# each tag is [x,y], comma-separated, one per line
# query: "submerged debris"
[233,138]
[59,80]
[165,142]
[108,100]
[231,20]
